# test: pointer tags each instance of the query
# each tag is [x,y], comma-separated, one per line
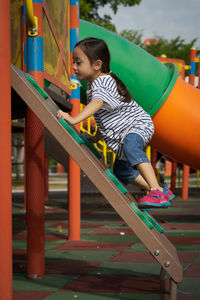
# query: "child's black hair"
[97,49]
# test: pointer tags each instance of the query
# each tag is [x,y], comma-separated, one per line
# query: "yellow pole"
[197,177]
[148,152]
[32,20]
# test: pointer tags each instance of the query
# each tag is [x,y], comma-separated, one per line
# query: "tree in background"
[175,48]
[89,11]
[157,46]
[134,36]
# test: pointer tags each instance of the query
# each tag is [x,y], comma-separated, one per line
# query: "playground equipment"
[144,226]
[192,74]
[162,83]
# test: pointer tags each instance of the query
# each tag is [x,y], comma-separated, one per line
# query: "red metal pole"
[193,53]
[5,156]
[74,170]
[35,159]
[186,169]
[24,68]
[46,176]
[173,176]
[154,158]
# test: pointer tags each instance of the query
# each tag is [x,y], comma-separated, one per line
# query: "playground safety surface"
[109,262]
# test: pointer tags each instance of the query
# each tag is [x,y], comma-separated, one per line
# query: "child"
[123,124]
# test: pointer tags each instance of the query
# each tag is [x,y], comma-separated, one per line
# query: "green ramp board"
[71,130]
[153,221]
[91,146]
[46,110]
[116,181]
[36,85]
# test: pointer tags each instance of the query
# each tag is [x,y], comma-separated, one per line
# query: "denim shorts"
[125,170]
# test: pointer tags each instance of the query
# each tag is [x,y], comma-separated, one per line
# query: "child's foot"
[155,199]
[168,192]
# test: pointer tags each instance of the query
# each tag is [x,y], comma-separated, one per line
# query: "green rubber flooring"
[109,262]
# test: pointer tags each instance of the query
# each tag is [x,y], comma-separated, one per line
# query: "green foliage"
[89,11]
[175,48]
[134,36]
[52,161]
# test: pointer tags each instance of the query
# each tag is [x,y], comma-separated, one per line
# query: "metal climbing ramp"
[86,156]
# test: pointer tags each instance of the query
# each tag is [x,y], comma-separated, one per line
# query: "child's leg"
[133,151]
[137,158]
[147,172]
[126,174]
[139,181]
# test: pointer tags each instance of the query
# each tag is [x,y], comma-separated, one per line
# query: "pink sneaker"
[168,192]
[155,199]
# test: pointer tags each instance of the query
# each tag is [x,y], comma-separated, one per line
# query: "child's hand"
[61,114]
[66,116]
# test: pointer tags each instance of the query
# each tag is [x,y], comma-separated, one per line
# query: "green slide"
[139,70]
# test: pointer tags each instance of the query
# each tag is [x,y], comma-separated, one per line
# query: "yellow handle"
[32,20]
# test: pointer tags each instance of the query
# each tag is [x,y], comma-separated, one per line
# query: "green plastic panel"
[90,146]
[155,224]
[36,85]
[116,181]
[71,131]
[140,214]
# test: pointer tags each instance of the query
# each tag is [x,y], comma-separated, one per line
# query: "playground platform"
[109,262]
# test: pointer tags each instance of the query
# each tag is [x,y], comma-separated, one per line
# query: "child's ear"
[98,65]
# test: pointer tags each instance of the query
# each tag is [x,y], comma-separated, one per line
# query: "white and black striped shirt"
[116,118]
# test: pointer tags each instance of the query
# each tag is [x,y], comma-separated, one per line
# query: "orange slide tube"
[177,125]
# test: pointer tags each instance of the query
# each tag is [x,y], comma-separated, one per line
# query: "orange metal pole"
[186,168]
[35,160]
[185,186]
[74,183]
[60,169]
[5,156]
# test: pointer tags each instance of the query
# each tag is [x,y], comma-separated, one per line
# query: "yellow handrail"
[32,20]
[100,145]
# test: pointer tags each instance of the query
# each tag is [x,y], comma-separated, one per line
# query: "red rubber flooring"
[109,262]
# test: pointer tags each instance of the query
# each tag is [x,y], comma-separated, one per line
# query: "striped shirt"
[116,119]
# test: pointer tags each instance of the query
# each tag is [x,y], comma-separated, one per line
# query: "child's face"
[83,69]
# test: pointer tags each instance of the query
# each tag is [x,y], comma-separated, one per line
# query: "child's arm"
[87,112]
